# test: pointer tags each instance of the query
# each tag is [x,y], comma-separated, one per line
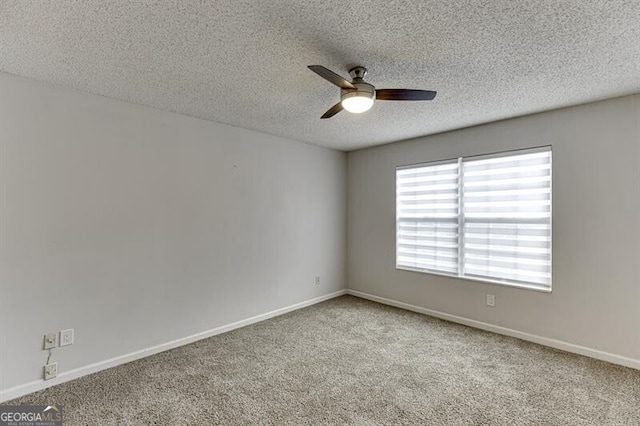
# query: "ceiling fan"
[357,96]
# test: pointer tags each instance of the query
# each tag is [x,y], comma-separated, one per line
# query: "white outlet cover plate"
[66,337]
[491,300]
[50,370]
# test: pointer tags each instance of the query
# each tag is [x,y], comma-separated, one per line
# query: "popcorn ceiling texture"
[243,62]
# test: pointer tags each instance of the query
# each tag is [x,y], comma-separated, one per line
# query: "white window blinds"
[486,218]
[427,212]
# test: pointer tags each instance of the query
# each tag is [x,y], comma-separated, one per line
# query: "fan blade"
[331,76]
[333,110]
[404,95]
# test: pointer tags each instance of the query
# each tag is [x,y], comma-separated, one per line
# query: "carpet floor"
[351,361]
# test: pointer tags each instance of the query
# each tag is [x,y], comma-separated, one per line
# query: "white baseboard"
[545,341]
[37,385]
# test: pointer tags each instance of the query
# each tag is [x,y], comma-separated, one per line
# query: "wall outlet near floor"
[66,337]
[50,370]
[50,341]
[317,279]
[491,300]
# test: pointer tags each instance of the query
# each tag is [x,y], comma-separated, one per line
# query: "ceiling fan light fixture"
[357,101]
[357,104]
[358,96]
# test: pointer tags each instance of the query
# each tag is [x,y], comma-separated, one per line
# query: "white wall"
[596,227]
[137,227]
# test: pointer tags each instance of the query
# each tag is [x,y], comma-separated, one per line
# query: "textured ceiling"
[244,62]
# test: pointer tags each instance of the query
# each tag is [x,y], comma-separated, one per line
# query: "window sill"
[487,281]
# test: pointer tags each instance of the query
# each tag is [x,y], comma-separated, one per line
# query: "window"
[485,218]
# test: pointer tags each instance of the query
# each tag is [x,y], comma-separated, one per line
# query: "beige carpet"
[350,361]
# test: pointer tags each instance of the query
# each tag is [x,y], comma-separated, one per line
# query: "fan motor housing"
[362,89]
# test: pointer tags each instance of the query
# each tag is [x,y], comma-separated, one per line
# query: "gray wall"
[596,227]
[138,227]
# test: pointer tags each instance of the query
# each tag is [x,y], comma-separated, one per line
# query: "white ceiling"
[243,62]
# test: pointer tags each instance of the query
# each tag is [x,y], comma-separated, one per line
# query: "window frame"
[459,275]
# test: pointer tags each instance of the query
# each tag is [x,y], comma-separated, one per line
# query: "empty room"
[319,213]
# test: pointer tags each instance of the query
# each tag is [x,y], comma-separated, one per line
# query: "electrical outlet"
[317,279]
[66,337]
[50,341]
[50,370]
[491,300]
